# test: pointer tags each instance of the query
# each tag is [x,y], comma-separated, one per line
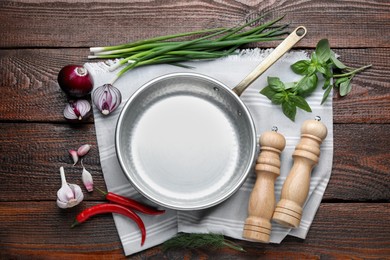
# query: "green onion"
[209,44]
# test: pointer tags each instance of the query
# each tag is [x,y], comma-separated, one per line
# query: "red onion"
[107,98]
[75,80]
[77,110]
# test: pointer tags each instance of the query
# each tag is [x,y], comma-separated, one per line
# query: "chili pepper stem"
[102,191]
[75,223]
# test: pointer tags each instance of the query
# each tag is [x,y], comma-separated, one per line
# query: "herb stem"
[351,72]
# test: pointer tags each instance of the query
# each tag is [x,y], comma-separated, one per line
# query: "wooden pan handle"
[275,55]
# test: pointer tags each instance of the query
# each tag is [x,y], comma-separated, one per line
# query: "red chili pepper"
[111,208]
[133,204]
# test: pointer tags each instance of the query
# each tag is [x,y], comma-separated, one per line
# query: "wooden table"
[39,37]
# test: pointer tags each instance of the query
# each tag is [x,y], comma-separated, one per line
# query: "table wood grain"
[39,37]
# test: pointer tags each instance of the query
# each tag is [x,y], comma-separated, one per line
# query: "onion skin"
[75,80]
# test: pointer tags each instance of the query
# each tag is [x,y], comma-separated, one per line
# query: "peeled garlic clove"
[106,98]
[77,110]
[87,179]
[69,195]
[74,156]
[83,150]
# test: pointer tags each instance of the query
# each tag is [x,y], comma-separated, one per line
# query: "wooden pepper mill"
[262,199]
[288,211]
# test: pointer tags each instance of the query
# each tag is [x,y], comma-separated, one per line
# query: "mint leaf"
[289,109]
[323,51]
[299,102]
[300,67]
[275,84]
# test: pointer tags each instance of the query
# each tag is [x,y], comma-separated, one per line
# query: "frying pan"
[186,141]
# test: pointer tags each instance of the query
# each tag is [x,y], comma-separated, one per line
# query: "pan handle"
[279,51]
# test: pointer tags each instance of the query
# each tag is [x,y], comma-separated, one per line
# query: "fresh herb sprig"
[324,62]
[207,44]
[199,240]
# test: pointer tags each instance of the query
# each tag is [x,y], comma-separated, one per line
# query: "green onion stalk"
[209,44]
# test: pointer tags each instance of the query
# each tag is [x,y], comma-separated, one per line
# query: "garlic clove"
[107,98]
[78,196]
[74,156]
[77,110]
[69,195]
[83,150]
[86,177]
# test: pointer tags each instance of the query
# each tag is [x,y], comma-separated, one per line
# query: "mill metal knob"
[288,211]
[262,199]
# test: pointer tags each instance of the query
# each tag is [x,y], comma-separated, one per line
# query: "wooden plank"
[31,154]
[30,77]
[40,229]
[75,24]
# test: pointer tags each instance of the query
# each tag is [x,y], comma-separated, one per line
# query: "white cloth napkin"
[228,217]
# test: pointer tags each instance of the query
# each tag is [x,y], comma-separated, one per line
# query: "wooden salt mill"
[288,211]
[262,199]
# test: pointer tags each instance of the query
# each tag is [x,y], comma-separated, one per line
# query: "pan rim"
[189,206]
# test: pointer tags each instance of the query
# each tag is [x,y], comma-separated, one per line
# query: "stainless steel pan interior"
[187,141]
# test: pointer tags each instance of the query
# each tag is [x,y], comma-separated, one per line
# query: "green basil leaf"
[345,87]
[268,92]
[278,98]
[276,84]
[329,71]
[311,69]
[323,50]
[300,67]
[289,109]
[307,85]
[326,83]
[338,64]
[326,94]
[321,69]
[289,85]
[299,102]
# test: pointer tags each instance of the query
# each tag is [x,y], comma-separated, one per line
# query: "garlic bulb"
[77,110]
[106,98]
[69,195]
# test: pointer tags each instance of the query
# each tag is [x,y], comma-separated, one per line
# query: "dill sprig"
[198,240]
